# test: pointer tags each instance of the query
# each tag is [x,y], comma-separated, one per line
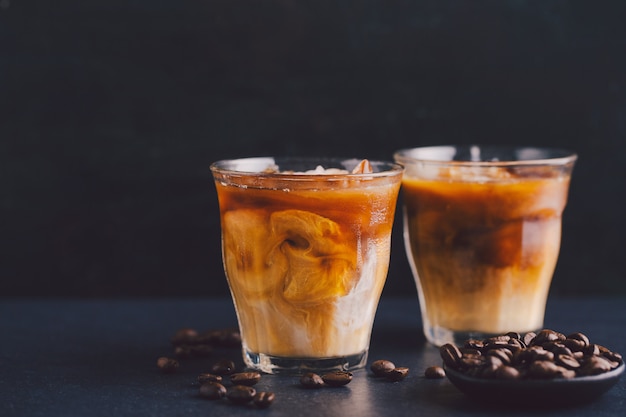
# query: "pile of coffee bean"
[188,342]
[547,354]
[222,381]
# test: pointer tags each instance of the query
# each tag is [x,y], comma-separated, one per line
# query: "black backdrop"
[111,112]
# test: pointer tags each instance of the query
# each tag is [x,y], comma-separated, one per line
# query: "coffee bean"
[263,399]
[245,378]
[337,378]
[381,367]
[200,350]
[515,344]
[474,344]
[397,374]
[240,394]
[574,345]
[546,335]
[528,338]
[471,361]
[566,373]
[167,365]
[311,380]
[212,390]
[497,340]
[451,355]
[538,353]
[558,348]
[490,366]
[567,361]
[613,357]
[470,351]
[207,377]
[580,337]
[505,355]
[506,372]
[591,350]
[543,369]
[223,337]
[514,335]
[182,351]
[184,336]
[594,365]
[223,367]
[434,372]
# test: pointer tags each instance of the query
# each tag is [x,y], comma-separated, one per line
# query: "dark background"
[112,111]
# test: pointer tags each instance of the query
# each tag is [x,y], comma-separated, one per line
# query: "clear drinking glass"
[482,231]
[305,246]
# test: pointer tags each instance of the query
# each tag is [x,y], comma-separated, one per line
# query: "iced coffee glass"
[482,231]
[305,247]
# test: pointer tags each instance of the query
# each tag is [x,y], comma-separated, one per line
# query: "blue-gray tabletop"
[97,357]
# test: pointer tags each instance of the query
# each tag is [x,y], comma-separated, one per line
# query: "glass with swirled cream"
[305,247]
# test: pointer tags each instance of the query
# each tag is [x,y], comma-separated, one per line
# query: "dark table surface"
[77,357]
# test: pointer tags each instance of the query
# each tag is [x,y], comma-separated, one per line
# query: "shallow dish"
[535,393]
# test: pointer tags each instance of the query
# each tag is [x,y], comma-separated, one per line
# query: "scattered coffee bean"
[245,378]
[311,380]
[434,372]
[547,354]
[167,365]
[215,338]
[184,336]
[381,366]
[229,338]
[240,394]
[223,367]
[183,351]
[263,399]
[397,374]
[212,390]
[200,350]
[337,378]
[207,377]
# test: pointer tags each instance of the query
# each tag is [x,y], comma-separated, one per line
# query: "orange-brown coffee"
[485,252]
[483,242]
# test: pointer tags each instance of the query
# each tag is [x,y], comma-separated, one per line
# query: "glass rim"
[226,167]
[549,155]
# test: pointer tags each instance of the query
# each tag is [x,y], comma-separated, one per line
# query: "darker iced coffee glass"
[482,230]
[305,246]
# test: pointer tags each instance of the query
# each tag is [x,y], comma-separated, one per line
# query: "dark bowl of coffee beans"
[542,369]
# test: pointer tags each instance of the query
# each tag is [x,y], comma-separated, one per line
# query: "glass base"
[294,366]
[439,336]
